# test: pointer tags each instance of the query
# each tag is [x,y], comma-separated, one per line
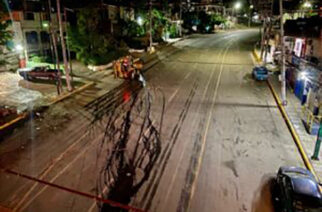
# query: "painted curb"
[65,96]
[294,134]
[12,122]
[257,57]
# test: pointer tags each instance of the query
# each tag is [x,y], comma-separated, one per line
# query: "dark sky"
[17,4]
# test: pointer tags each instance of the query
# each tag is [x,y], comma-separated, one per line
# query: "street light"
[140,20]
[45,24]
[237,5]
[19,48]
[307,4]
[251,6]
[303,75]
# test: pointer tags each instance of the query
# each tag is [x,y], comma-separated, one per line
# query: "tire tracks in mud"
[158,173]
[196,157]
[111,100]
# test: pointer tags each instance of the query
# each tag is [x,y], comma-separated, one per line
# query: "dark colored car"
[41,72]
[296,190]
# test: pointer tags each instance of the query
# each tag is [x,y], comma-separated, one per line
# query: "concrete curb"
[257,57]
[289,124]
[295,136]
[14,121]
[65,96]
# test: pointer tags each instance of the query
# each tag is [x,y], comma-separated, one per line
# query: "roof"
[294,169]
[304,27]
[305,186]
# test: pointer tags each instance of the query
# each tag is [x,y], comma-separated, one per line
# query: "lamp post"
[62,39]
[150,24]
[319,138]
[22,59]
[306,6]
[251,7]
[315,155]
[283,91]
[67,41]
[180,18]
[139,20]
[237,6]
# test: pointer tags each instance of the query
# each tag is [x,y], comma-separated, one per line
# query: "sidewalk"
[28,96]
[294,112]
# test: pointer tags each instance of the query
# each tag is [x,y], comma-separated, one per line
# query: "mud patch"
[232,166]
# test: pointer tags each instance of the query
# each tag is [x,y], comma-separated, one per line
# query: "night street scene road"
[161,105]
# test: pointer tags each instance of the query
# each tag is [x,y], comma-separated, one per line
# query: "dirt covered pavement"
[202,136]
[21,94]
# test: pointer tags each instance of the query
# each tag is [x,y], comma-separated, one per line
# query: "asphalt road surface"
[202,136]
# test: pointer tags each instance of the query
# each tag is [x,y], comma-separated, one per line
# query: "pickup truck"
[40,72]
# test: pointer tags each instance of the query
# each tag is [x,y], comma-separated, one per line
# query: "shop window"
[44,36]
[32,37]
[29,16]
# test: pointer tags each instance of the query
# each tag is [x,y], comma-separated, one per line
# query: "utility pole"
[263,34]
[54,42]
[150,16]
[69,86]
[68,48]
[319,138]
[283,92]
[180,18]
[318,144]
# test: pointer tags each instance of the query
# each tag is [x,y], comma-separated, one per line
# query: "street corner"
[9,119]
[23,94]
[294,115]
[19,98]
[81,87]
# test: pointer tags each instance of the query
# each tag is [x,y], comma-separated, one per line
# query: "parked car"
[40,72]
[296,190]
[260,73]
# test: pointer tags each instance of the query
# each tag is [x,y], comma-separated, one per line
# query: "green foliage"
[218,19]
[202,20]
[39,59]
[159,23]
[91,44]
[5,35]
[132,28]
[137,36]
[173,31]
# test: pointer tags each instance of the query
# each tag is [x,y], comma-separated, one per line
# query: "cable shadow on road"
[130,146]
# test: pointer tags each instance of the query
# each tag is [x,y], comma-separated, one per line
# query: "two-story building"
[32,31]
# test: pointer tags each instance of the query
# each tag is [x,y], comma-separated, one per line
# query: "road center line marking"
[153,122]
[200,159]
[182,152]
[57,175]
[48,169]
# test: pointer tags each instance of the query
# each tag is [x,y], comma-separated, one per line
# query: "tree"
[159,22]
[5,35]
[88,40]
[218,19]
